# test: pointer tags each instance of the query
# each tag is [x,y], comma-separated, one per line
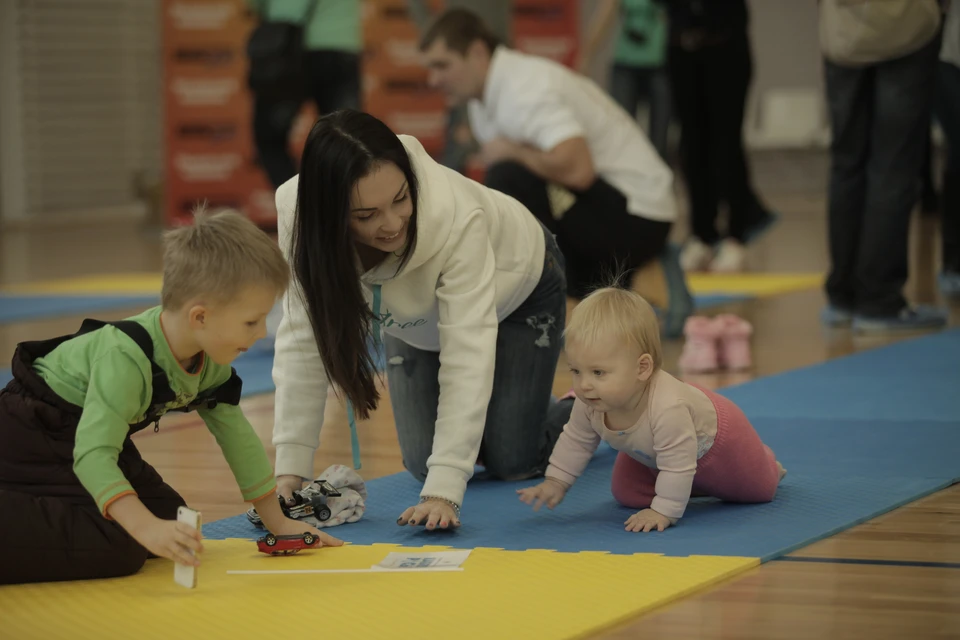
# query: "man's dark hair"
[458,28]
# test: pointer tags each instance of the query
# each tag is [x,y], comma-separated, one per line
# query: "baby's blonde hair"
[621,315]
[217,257]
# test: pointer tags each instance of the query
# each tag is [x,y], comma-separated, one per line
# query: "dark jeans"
[710,87]
[948,115]
[879,117]
[522,424]
[598,236]
[333,82]
[630,86]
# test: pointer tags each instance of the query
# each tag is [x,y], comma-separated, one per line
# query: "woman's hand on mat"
[550,492]
[286,485]
[172,540]
[431,514]
[647,520]
[291,527]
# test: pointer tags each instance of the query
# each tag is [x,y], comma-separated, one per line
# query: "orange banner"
[208,130]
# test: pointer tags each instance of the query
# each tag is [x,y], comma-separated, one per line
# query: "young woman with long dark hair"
[466,287]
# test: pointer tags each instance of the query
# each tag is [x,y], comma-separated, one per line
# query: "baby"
[675,439]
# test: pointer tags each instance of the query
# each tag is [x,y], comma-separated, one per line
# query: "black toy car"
[309,501]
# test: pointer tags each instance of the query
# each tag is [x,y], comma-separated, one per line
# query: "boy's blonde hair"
[621,315]
[216,257]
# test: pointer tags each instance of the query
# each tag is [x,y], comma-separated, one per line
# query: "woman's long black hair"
[342,148]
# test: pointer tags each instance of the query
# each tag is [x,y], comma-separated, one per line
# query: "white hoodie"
[479,254]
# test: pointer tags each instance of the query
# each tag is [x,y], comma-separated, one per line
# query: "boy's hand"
[165,538]
[549,492]
[172,540]
[647,520]
[286,485]
[291,527]
[268,508]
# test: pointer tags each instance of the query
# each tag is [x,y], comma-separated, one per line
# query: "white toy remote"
[186,575]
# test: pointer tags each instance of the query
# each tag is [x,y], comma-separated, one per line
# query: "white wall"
[80,105]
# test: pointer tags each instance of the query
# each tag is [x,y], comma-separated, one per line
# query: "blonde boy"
[81,501]
[674,438]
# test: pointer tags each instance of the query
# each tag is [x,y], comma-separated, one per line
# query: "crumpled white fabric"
[351,504]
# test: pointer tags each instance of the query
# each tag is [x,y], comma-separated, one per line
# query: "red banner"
[209,149]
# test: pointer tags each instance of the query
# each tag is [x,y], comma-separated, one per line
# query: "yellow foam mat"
[500,594]
[753,284]
[117,283]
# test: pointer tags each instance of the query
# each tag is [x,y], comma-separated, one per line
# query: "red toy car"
[286,545]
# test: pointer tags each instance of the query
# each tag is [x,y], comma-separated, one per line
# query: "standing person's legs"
[689,100]
[729,72]
[272,121]
[903,94]
[629,86]
[625,87]
[661,106]
[948,115]
[334,79]
[850,103]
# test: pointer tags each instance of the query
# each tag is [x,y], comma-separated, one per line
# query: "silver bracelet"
[456,507]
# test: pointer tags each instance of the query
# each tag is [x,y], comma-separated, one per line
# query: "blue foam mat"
[254,368]
[39,307]
[859,436]
[15,308]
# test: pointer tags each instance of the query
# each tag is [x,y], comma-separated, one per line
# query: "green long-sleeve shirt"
[333,25]
[109,376]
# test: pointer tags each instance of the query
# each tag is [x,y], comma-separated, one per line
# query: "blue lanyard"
[378,341]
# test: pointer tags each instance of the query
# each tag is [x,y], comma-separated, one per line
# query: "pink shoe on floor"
[734,342]
[700,349]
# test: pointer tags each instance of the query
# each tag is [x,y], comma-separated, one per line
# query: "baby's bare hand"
[647,520]
[549,492]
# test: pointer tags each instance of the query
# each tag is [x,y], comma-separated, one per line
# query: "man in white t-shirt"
[557,142]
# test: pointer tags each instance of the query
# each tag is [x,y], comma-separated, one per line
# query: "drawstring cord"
[377,339]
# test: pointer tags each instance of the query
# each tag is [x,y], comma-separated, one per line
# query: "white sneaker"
[695,255]
[731,257]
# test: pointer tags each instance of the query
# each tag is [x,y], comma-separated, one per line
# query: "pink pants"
[737,468]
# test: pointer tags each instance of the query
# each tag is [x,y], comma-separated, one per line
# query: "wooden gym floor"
[905,582]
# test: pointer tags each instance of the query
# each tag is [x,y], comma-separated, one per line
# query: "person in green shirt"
[78,499]
[332,44]
[639,70]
